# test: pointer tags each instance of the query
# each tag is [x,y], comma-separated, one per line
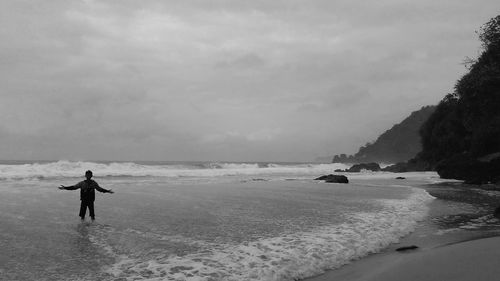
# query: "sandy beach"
[469,260]
[465,250]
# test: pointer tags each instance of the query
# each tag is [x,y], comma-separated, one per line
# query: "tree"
[490,33]
[467,121]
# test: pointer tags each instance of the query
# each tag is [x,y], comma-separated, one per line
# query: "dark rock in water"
[337,179]
[334,178]
[497,213]
[364,166]
[339,170]
[400,178]
[322,178]
[407,248]
[470,170]
[460,167]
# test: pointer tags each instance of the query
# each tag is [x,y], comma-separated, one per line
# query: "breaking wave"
[289,257]
[68,169]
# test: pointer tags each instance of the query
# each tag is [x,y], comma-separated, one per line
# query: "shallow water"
[153,228]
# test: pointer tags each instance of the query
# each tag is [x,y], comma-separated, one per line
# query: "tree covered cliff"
[461,139]
[400,143]
[467,121]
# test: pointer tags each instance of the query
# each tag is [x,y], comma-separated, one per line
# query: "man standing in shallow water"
[87,194]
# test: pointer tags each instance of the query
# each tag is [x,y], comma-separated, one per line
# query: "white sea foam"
[63,169]
[287,257]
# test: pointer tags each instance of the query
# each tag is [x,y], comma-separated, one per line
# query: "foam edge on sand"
[476,260]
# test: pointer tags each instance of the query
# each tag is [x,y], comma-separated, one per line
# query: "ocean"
[199,220]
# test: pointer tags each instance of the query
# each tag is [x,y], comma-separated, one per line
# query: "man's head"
[88,174]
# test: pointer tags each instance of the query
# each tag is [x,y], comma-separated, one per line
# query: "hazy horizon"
[223,80]
[146,162]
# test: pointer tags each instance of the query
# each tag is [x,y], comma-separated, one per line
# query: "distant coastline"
[398,144]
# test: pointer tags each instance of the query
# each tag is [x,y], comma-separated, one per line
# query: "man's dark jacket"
[87,189]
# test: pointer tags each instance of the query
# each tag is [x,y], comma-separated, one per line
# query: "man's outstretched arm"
[73,187]
[103,190]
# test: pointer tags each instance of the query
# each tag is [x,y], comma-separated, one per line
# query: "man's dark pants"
[83,208]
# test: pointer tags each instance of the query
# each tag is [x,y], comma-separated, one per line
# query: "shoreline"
[458,230]
[467,260]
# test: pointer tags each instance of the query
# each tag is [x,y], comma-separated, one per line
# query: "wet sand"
[471,260]
[458,241]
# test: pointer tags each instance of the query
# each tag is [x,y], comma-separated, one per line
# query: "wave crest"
[69,169]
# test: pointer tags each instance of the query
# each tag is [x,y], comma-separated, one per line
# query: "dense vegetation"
[400,143]
[465,127]
[467,121]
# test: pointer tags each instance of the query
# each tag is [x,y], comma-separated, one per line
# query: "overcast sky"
[270,80]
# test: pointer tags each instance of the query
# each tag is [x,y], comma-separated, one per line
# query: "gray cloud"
[244,61]
[235,80]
